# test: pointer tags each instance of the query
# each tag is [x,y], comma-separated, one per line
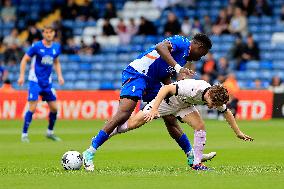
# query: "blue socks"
[184,143]
[52,119]
[27,122]
[101,137]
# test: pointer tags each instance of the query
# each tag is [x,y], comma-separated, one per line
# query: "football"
[72,160]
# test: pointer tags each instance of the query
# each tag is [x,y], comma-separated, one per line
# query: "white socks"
[119,129]
[199,143]
[49,132]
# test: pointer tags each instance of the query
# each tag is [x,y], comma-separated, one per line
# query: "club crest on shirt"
[47,60]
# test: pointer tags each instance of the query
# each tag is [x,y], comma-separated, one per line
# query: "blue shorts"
[137,86]
[47,93]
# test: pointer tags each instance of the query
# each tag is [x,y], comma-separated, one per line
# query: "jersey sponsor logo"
[42,50]
[47,60]
[53,51]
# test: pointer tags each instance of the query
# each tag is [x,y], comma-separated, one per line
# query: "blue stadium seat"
[81,85]
[106,85]
[70,76]
[252,65]
[266,65]
[96,75]
[278,65]
[83,75]
[94,85]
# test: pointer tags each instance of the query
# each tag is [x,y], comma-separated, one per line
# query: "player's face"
[196,52]
[48,35]
[210,104]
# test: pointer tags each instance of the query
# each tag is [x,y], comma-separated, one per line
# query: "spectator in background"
[70,47]
[87,11]
[231,84]
[13,51]
[257,84]
[222,69]
[12,39]
[70,10]
[6,87]
[207,25]
[132,28]
[172,26]
[209,67]
[123,33]
[96,47]
[247,6]
[237,50]
[186,26]
[276,85]
[34,34]
[230,12]
[146,27]
[262,8]
[107,28]
[196,26]
[8,12]
[110,11]
[250,51]
[222,23]
[238,23]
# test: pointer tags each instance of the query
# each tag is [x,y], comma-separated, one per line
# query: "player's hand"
[152,115]
[60,80]
[244,137]
[21,80]
[186,73]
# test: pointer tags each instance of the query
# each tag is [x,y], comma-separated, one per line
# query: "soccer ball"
[72,160]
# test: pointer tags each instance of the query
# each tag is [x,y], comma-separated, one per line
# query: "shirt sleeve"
[178,43]
[31,51]
[183,88]
[222,109]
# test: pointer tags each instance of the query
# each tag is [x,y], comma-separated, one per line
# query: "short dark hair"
[219,95]
[203,39]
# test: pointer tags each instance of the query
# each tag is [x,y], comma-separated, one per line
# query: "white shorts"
[166,109]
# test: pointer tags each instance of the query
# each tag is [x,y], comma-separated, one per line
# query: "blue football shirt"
[42,62]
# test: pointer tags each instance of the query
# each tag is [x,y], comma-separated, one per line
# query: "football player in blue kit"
[141,80]
[43,56]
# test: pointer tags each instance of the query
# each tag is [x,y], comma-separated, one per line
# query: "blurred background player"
[44,55]
[142,80]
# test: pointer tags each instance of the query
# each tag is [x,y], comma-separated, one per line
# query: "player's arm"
[163,92]
[23,65]
[57,67]
[164,49]
[232,122]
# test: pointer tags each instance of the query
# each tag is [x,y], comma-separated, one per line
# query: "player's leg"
[134,122]
[194,119]
[49,95]
[33,93]
[133,85]
[28,119]
[51,121]
[125,108]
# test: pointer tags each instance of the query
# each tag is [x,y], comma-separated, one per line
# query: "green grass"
[144,158]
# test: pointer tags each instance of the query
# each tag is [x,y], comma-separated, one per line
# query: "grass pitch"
[144,158]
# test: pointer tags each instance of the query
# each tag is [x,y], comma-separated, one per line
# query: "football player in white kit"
[179,99]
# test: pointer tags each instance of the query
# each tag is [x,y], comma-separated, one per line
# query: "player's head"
[217,96]
[48,33]
[200,45]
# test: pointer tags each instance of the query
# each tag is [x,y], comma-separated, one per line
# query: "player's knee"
[199,126]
